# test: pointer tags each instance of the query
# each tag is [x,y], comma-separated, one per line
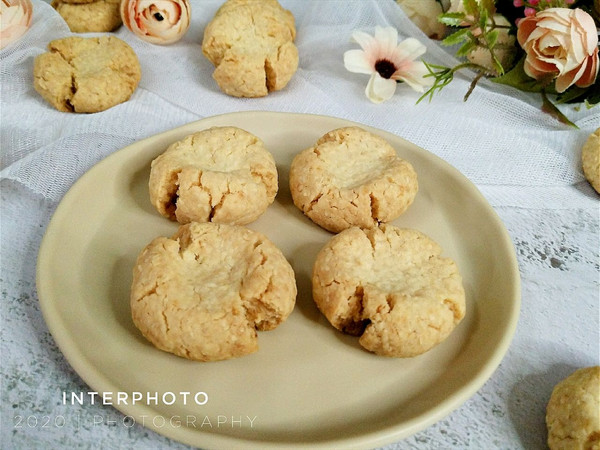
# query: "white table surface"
[526,165]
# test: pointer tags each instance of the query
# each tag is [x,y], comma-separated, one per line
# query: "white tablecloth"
[525,163]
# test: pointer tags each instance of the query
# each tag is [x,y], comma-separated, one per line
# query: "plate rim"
[94,378]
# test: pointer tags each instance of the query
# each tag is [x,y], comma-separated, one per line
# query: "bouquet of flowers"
[545,46]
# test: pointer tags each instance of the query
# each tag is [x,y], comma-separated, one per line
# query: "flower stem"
[472,86]
[444,75]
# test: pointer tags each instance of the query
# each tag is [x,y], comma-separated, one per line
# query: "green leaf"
[572,95]
[489,6]
[575,94]
[491,38]
[497,64]
[466,48]
[441,69]
[589,105]
[593,96]
[454,19]
[456,37]
[517,78]
[471,6]
[483,19]
[442,77]
[549,108]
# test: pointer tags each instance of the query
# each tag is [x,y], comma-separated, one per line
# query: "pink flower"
[157,21]
[561,44]
[15,20]
[387,62]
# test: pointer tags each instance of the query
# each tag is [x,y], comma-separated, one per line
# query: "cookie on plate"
[204,292]
[251,45]
[221,175]
[573,412]
[351,177]
[86,75]
[391,287]
[590,159]
[87,16]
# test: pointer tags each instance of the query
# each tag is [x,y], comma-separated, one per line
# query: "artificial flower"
[424,14]
[504,48]
[561,44]
[555,52]
[458,6]
[15,20]
[157,21]
[387,62]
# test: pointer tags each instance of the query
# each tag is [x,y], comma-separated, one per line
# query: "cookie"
[391,287]
[573,412]
[203,293]
[590,159]
[89,16]
[251,44]
[86,75]
[221,175]
[351,177]
[78,2]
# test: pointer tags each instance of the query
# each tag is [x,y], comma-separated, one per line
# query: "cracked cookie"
[86,75]
[203,293]
[221,175]
[391,287]
[573,411]
[87,16]
[251,45]
[351,177]
[590,159]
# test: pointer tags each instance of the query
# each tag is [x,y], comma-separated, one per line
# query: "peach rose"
[157,21]
[15,20]
[560,43]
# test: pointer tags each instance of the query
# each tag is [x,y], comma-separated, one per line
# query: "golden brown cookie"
[86,75]
[89,16]
[391,287]
[221,175]
[78,1]
[250,42]
[590,159]
[351,177]
[204,292]
[573,412]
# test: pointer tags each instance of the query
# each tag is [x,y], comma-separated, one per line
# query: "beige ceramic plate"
[308,385]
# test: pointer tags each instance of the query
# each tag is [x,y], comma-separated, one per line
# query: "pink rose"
[15,19]
[560,43]
[157,21]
